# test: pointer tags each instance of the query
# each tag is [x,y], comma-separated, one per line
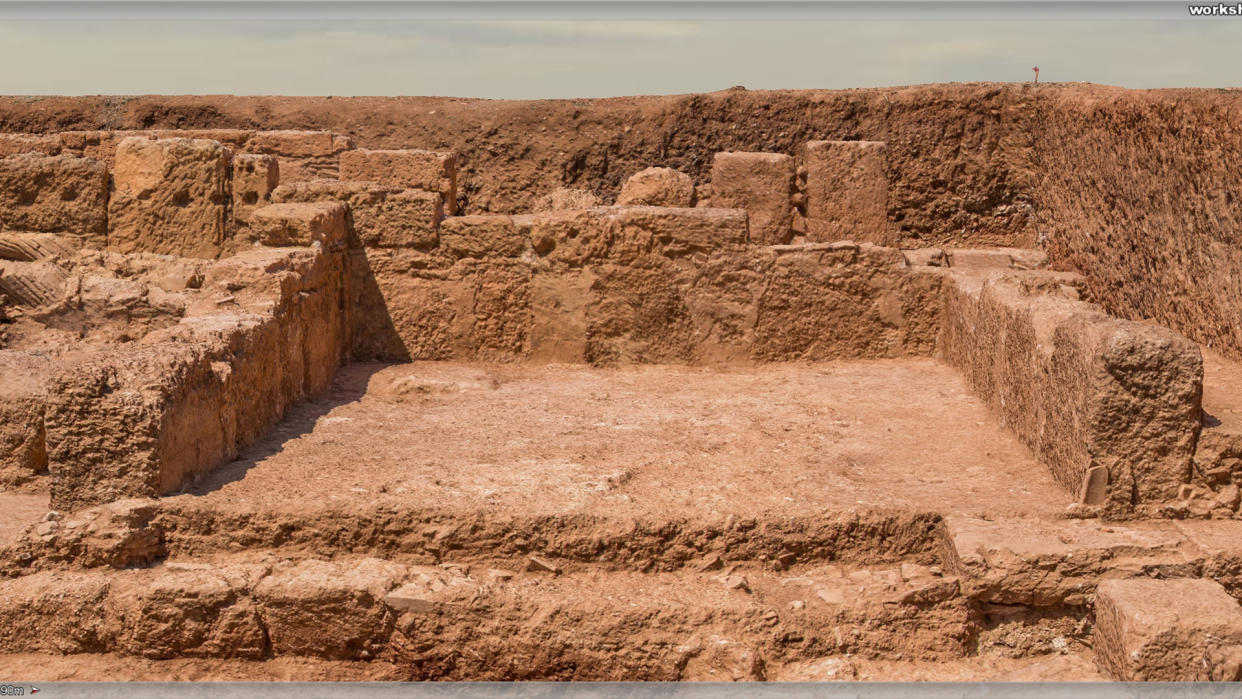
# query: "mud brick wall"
[141,419]
[1083,389]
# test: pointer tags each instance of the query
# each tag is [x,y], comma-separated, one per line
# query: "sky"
[516,59]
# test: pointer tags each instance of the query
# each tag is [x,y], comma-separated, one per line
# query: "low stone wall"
[636,284]
[1112,406]
[268,330]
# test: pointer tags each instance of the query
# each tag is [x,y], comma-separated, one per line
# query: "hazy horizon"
[537,60]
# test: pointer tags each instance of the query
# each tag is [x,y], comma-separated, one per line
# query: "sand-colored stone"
[321,609]
[1168,630]
[379,215]
[169,196]
[255,177]
[481,236]
[1083,389]
[284,225]
[302,155]
[761,183]
[59,194]
[410,169]
[657,186]
[847,191]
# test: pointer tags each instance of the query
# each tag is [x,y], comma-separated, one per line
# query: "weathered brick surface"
[14,144]
[1167,630]
[762,184]
[255,177]
[169,196]
[410,169]
[284,225]
[59,194]
[328,610]
[847,191]
[303,155]
[23,394]
[481,236]
[379,215]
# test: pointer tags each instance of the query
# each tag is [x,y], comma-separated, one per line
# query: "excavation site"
[932,383]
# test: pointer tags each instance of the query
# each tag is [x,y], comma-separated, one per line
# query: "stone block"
[572,238]
[53,612]
[132,422]
[847,191]
[559,315]
[481,237]
[23,395]
[169,197]
[1167,630]
[59,194]
[500,313]
[289,225]
[1056,563]
[410,169]
[298,144]
[813,293]
[762,184]
[997,258]
[329,610]
[186,610]
[14,144]
[303,155]
[657,186]
[638,314]
[380,215]
[255,177]
[671,232]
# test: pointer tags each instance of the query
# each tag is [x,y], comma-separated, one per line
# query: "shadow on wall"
[374,334]
[350,386]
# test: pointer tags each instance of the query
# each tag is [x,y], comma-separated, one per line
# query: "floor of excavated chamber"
[663,441]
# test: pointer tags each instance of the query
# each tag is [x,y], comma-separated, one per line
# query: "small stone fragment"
[711,562]
[657,186]
[537,564]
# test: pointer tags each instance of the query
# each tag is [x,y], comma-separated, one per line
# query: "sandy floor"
[56,668]
[775,439]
